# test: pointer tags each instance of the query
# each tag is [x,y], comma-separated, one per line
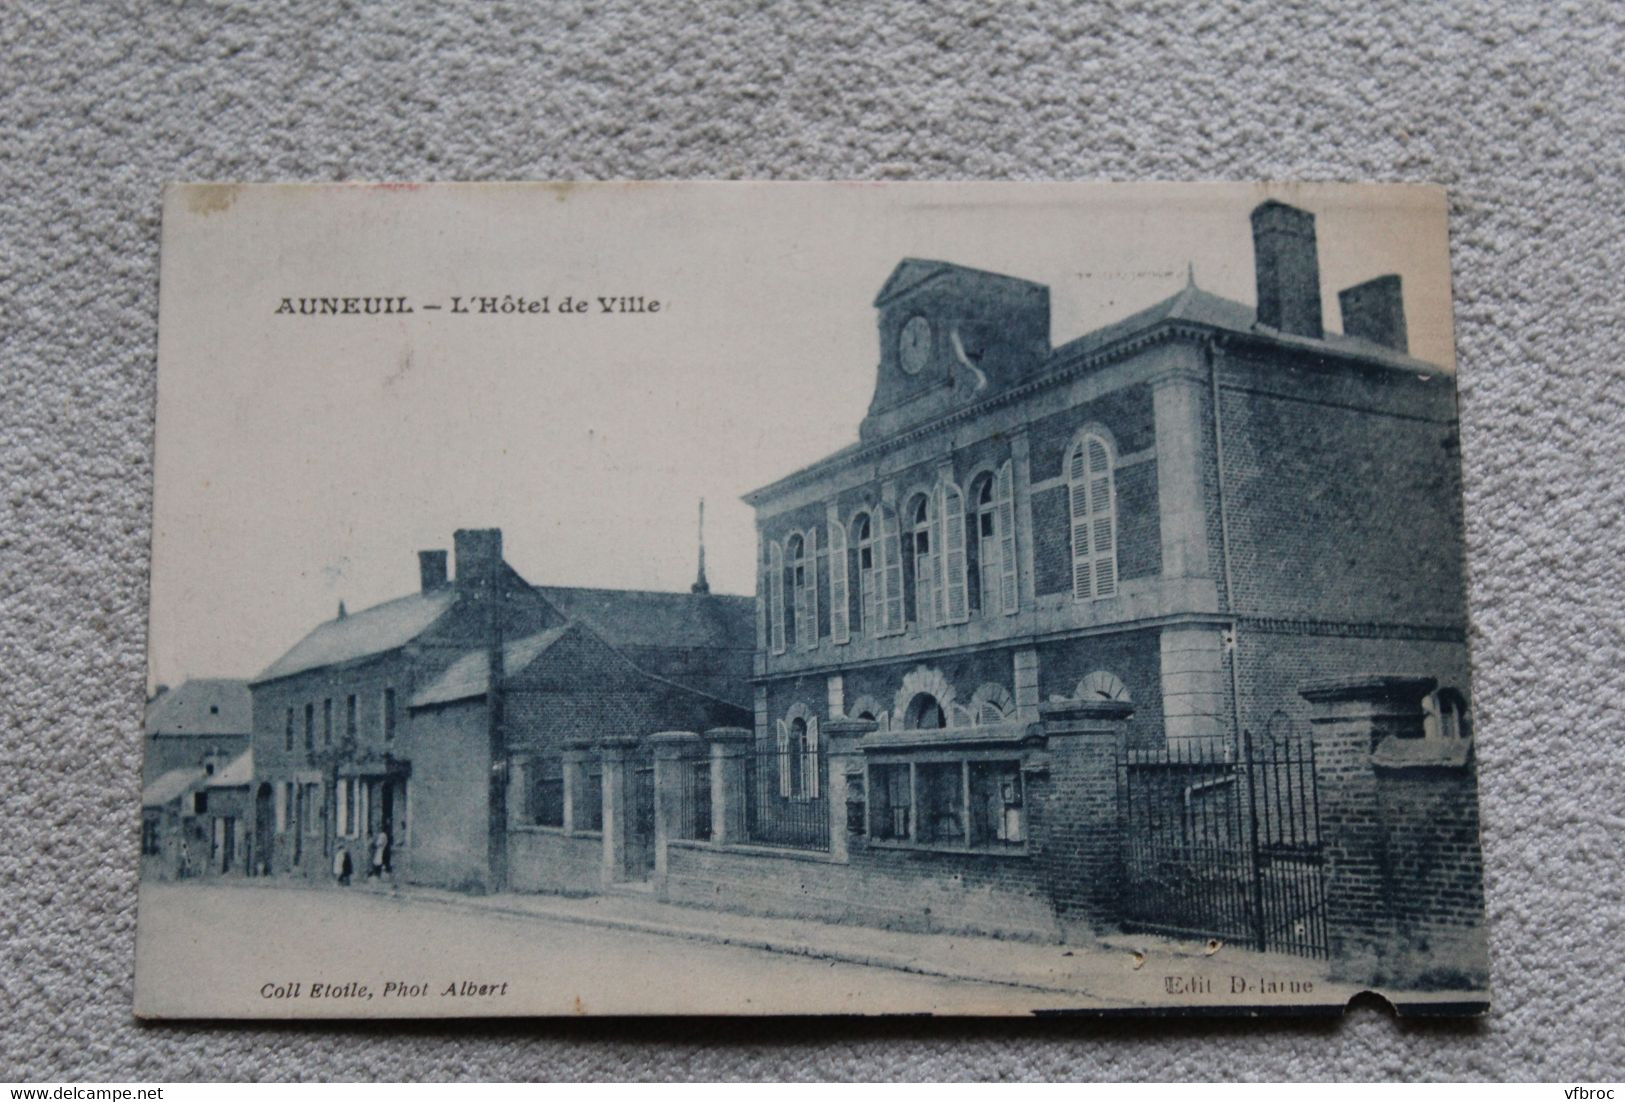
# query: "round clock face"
[914,344]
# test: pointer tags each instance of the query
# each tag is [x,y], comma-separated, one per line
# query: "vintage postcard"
[709,598]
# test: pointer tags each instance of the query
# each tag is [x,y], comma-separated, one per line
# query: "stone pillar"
[1075,824]
[1176,401]
[576,756]
[845,756]
[617,805]
[1025,674]
[729,745]
[1399,831]
[674,750]
[1193,684]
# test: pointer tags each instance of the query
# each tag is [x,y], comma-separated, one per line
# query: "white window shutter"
[891,589]
[956,603]
[762,583]
[342,812]
[1103,519]
[775,569]
[1094,520]
[784,758]
[281,808]
[939,577]
[809,635]
[1005,513]
[840,607]
[809,764]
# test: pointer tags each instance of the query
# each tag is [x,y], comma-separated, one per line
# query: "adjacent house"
[203,717]
[391,720]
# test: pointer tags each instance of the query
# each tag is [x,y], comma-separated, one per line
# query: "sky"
[304,460]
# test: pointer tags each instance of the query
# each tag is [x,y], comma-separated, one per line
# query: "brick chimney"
[1375,311]
[432,569]
[1287,268]
[477,554]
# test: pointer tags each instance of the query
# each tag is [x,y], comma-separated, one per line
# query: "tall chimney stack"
[1287,268]
[477,554]
[1375,311]
[431,569]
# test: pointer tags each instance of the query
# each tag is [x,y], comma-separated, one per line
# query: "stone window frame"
[1079,481]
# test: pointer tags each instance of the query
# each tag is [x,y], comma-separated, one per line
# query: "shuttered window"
[840,609]
[807,628]
[927,570]
[775,583]
[1005,511]
[891,571]
[955,601]
[1094,520]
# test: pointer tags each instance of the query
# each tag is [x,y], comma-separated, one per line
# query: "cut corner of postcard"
[957,599]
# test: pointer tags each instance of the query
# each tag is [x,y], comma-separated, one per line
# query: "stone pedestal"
[845,758]
[673,751]
[728,747]
[617,805]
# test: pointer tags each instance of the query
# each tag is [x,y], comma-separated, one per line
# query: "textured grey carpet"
[1516,108]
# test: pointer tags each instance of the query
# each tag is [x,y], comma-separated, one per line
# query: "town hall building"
[1192,511]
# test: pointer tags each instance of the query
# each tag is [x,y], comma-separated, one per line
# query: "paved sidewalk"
[1121,971]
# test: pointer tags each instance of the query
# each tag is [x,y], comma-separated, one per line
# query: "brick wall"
[544,860]
[893,889]
[1343,496]
[449,842]
[1277,661]
[1437,903]
[1126,413]
[1135,657]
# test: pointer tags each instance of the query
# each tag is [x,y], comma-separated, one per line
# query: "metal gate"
[640,839]
[1228,847]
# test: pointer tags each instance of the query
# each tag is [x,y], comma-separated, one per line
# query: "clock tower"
[951,336]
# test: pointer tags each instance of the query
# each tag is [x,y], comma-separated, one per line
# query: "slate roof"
[170,786]
[631,618]
[1192,304]
[238,772]
[468,676]
[361,634]
[202,706]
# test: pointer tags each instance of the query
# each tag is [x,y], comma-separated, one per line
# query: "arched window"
[863,548]
[1094,519]
[984,546]
[799,767]
[801,570]
[924,713]
[927,591]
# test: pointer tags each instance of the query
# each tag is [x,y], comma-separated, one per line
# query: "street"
[280,951]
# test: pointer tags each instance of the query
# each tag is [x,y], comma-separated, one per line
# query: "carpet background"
[1515,107]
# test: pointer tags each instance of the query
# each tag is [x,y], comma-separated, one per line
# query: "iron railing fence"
[693,801]
[1225,845]
[787,797]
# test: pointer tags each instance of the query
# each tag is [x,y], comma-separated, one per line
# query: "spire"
[342,613]
[1190,273]
[700,584]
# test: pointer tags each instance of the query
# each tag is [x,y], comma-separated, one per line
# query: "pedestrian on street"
[380,855]
[342,865]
